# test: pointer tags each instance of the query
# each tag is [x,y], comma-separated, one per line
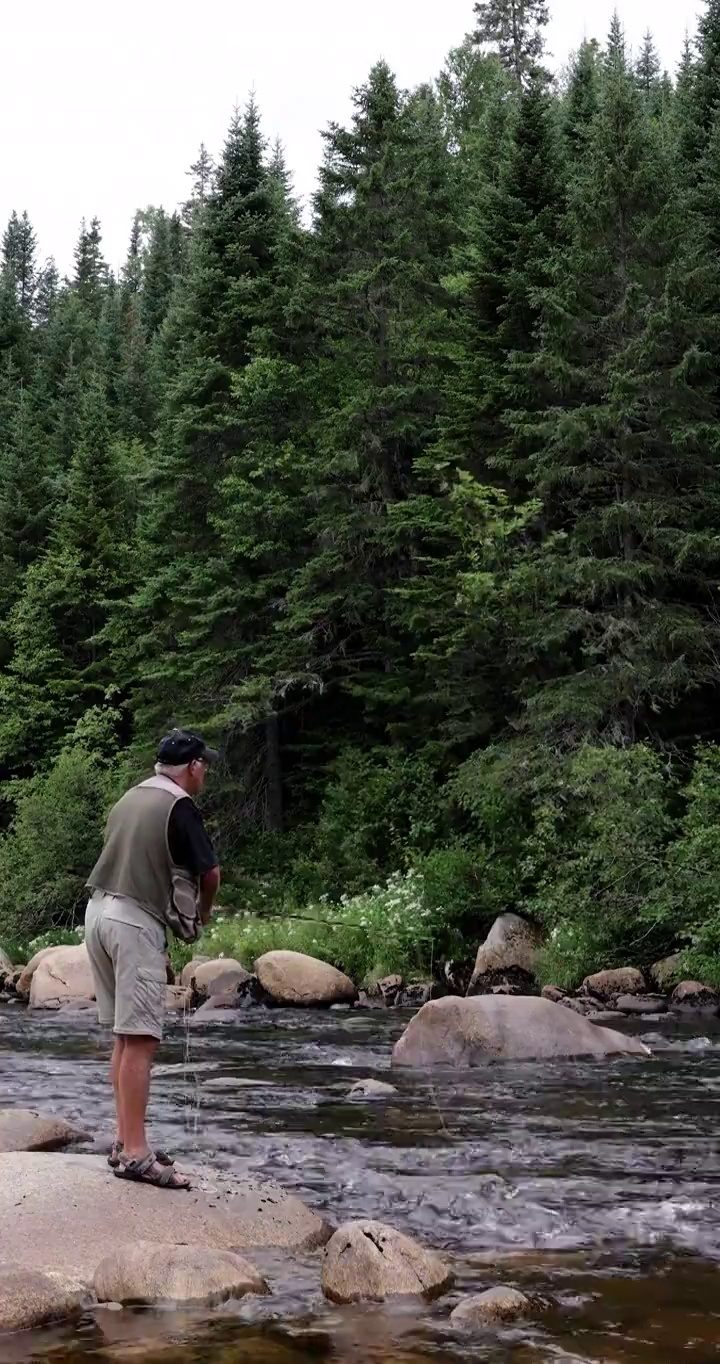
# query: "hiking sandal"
[147,1170]
[114,1158]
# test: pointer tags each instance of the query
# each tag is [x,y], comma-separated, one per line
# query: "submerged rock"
[291,978]
[494,1306]
[371,1089]
[470,1032]
[367,1261]
[148,1272]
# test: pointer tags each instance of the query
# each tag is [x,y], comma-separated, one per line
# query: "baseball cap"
[181,746]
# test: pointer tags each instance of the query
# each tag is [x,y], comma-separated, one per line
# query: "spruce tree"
[91,271]
[516,29]
[19,250]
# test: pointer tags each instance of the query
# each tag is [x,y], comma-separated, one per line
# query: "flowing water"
[592,1185]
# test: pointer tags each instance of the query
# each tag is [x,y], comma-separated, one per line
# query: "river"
[592,1185]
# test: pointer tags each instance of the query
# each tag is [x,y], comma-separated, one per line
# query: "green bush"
[691,899]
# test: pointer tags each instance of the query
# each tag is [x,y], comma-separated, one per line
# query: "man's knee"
[138,1045]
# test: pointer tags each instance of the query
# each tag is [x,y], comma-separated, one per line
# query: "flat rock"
[29,1299]
[511,948]
[63,975]
[22,1129]
[494,1306]
[62,1212]
[151,1272]
[470,1032]
[371,1089]
[641,1004]
[367,1261]
[291,978]
[609,985]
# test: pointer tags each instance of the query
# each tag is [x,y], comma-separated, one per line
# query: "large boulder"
[692,997]
[609,985]
[508,955]
[218,976]
[188,973]
[62,976]
[367,1261]
[63,1212]
[29,1299]
[24,1130]
[470,1032]
[24,980]
[148,1272]
[291,978]
[664,974]
[493,1306]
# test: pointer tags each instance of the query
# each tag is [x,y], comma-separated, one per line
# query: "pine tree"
[91,272]
[19,250]
[516,29]
[583,97]
[158,273]
[647,66]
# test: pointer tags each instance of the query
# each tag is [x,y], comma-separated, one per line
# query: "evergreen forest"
[408,498]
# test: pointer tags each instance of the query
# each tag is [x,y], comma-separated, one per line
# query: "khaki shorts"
[127,950]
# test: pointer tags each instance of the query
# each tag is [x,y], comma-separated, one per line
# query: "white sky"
[103,103]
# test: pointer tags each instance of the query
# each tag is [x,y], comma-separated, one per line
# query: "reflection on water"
[592,1187]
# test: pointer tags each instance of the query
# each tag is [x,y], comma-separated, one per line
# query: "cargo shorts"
[127,951]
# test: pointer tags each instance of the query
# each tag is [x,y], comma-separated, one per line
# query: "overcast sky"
[103,103]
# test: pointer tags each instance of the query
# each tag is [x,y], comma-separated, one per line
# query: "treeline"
[414,506]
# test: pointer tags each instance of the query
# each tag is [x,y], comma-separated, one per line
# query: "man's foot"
[116,1150]
[148,1170]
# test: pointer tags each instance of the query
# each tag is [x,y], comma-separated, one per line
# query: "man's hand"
[209,887]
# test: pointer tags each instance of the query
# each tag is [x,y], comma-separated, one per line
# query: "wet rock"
[609,985]
[228,981]
[291,978]
[642,1004]
[22,1129]
[149,1272]
[61,976]
[29,1299]
[178,999]
[341,1008]
[553,993]
[414,996]
[605,1016]
[367,1001]
[63,1212]
[371,1089]
[369,1262]
[457,976]
[389,989]
[694,998]
[508,956]
[494,1306]
[663,974]
[585,1006]
[470,1032]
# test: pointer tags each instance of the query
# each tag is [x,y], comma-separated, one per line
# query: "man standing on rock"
[157,870]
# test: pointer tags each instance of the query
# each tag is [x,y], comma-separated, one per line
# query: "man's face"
[197,772]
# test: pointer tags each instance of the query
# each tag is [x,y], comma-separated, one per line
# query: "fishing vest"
[136,860]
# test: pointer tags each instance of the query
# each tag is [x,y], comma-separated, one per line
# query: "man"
[158,869]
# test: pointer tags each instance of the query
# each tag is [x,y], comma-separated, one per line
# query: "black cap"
[182,747]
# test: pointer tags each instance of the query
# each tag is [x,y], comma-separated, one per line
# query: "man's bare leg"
[134,1087]
[115,1064]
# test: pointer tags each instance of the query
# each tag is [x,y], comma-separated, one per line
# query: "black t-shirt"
[188,839]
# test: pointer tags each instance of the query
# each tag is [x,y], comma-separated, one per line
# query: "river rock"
[187,975]
[367,1261]
[6,966]
[148,1272]
[62,1212]
[605,1016]
[390,989]
[291,978]
[24,981]
[63,974]
[218,976]
[371,1089]
[663,974]
[22,1129]
[553,993]
[508,955]
[470,1032]
[642,1004]
[493,1306]
[609,985]
[692,997]
[178,999]
[29,1299]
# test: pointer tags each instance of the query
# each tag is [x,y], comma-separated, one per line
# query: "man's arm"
[209,887]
